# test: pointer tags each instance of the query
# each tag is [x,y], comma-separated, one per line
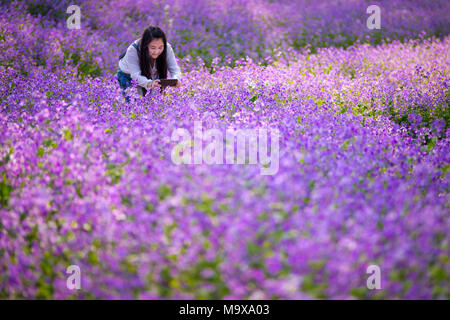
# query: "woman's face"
[155,48]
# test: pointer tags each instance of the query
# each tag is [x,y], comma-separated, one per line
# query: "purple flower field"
[363,178]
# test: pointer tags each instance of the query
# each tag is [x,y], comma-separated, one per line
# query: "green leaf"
[40,152]
[67,134]
[92,257]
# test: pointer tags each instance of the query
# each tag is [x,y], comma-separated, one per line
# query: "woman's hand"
[153,84]
[178,84]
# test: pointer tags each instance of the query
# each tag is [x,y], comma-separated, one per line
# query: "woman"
[146,60]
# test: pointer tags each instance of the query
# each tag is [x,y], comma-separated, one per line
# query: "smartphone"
[168,82]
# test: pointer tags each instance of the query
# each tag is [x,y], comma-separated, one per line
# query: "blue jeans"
[124,82]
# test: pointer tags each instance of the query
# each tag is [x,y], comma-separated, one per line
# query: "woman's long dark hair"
[144,58]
